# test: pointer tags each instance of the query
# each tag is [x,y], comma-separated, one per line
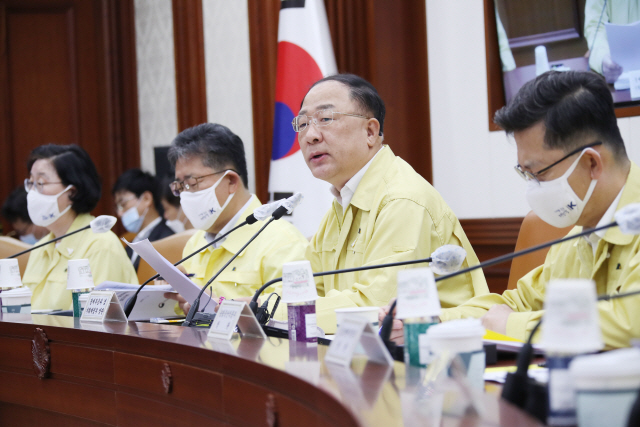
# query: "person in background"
[211,180]
[63,187]
[173,214]
[137,198]
[596,14]
[15,211]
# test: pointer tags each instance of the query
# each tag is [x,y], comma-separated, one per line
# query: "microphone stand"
[49,241]
[191,320]
[131,302]
[253,305]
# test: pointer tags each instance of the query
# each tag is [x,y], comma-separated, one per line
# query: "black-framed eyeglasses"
[528,176]
[191,183]
[39,185]
[319,118]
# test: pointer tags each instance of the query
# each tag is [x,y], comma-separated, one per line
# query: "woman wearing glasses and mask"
[63,187]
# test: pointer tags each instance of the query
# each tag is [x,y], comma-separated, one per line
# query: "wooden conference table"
[55,371]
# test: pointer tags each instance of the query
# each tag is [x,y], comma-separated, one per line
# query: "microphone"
[444,260]
[627,219]
[282,207]
[98,225]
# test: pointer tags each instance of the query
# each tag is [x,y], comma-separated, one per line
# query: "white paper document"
[172,275]
[624,45]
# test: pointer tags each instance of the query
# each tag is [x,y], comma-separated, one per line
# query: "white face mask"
[555,202]
[43,209]
[176,225]
[202,207]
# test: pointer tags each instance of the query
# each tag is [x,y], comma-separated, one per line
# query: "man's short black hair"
[362,92]
[138,182]
[15,207]
[215,145]
[74,167]
[573,105]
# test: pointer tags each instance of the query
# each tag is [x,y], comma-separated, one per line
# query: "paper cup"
[9,273]
[16,300]
[369,313]
[79,274]
[606,386]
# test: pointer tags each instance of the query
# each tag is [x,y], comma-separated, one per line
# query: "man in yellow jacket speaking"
[573,157]
[383,210]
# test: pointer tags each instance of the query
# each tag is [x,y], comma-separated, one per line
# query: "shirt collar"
[145,232]
[607,218]
[209,237]
[345,195]
[67,246]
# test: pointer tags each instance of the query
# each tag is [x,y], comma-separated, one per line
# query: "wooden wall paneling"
[490,238]
[118,94]
[495,86]
[263,45]
[68,75]
[191,89]
[351,24]
[399,61]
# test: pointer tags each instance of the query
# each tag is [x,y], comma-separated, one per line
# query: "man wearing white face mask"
[211,180]
[573,157]
[137,199]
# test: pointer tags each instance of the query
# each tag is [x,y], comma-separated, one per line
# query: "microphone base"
[201,320]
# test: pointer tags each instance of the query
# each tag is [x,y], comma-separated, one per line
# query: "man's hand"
[496,318]
[610,70]
[397,328]
[182,303]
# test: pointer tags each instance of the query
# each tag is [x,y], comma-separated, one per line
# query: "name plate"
[351,332]
[230,314]
[103,306]
[417,294]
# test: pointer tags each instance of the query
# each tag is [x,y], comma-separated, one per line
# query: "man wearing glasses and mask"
[383,210]
[211,181]
[573,158]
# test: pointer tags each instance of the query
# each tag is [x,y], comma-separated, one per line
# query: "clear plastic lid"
[624,362]
[461,328]
[16,293]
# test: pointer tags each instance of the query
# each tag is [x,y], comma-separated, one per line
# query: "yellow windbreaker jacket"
[615,268]
[260,262]
[46,273]
[394,215]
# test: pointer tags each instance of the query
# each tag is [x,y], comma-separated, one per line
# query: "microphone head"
[447,259]
[263,212]
[628,219]
[292,202]
[103,223]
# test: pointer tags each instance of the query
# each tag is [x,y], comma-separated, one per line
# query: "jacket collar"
[67,246]
[241,236]
[368,187]
[630,194]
